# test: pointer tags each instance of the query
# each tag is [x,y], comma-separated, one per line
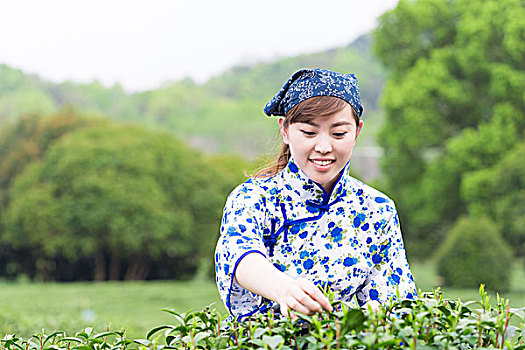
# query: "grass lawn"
[27,308]
[426,279]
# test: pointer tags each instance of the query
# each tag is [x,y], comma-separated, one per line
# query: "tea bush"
[429,322]
[474,252]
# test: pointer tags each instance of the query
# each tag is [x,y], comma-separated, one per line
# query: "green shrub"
[474,252]
[429,322]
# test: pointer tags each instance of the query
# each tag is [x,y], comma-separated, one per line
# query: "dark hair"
[305,111]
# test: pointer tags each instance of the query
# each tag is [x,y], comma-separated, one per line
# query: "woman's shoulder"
[369,194]
[252,188]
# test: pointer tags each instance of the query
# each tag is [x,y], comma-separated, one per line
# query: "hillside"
[223,115]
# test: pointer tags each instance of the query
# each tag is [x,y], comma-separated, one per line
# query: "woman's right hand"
[302,296]
[258,275]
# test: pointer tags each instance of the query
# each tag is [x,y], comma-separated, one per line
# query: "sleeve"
[390,274]
[240,235]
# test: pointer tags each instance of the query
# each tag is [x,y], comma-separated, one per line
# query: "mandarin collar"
[294,179]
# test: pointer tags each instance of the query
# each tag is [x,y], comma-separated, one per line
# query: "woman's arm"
[256,274]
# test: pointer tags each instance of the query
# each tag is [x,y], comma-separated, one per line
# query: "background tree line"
[86,198]
[450,122]
[194,112]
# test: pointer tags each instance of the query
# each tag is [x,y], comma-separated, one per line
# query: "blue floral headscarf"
[308,83]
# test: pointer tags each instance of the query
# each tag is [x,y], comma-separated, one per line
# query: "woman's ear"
[359,128]
[284,131]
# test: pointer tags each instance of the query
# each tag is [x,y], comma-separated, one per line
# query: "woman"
[305,222]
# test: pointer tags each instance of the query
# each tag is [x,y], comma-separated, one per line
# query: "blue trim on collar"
[327,196]
[301,176]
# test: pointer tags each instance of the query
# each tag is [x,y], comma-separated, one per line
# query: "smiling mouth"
[322,162]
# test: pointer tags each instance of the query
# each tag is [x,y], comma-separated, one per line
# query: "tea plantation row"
[429,322]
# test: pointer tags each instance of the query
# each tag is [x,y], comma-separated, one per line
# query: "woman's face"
[322,147]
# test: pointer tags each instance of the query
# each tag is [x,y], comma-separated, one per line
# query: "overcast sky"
[142,44]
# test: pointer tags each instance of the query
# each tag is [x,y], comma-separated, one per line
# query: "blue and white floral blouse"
[348,240]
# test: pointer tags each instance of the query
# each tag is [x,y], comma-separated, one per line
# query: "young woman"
[305,222]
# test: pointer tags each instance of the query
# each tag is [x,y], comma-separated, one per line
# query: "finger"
[316,295]
[296,305]
[284,310]
[306,300]
[320,298]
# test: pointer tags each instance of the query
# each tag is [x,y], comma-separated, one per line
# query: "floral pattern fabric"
[307,83]
[348,240]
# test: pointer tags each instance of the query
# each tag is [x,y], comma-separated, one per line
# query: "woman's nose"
[323,144]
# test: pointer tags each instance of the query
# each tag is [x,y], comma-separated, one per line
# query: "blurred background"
[124,126]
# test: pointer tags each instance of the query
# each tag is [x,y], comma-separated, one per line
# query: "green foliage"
[22,143]
[474,253]
[28,138]
[115,191]
[222,115]
[412,31]
[454,104]
[128,198]
[22,94]
[29,307]
[430,322]
[499,192]
[26,102]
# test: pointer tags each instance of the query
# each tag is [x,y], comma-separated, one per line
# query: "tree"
[23,142]
[499,192]
[28,138]
[473,253]
[454,103]
[117,192]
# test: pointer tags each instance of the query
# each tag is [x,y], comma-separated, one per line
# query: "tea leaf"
[157,329]
[144,342]
[273,341]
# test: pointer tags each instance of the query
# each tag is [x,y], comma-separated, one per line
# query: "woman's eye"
[339,134]
[308,133]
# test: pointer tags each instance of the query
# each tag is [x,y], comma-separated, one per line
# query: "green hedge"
[430,322]
[474,252]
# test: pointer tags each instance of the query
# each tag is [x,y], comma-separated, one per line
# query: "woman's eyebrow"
[310,122]
[334,125]
[340,123]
